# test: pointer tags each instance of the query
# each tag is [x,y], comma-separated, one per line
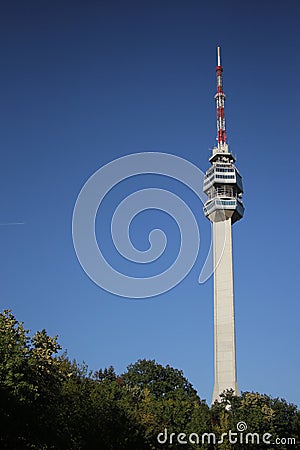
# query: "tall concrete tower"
[223,186]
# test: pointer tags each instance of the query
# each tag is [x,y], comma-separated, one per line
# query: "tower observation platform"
[223,186]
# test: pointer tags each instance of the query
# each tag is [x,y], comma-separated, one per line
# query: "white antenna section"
[219,55]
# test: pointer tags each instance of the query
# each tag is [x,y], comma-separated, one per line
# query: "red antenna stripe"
[220,99]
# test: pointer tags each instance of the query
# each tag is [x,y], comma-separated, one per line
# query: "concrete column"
[224,330]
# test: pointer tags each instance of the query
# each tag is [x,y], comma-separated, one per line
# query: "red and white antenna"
[220,102]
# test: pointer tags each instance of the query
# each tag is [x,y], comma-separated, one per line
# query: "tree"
[15,388]
[261,413]
[30,381]
[50,402]
[160,380]
[164,400]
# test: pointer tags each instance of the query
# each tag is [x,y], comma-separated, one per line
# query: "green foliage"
[165,399]
[160,380]
[50,402]
[29,385]
[262,414]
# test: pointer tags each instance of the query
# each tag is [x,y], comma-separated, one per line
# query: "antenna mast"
[220,102]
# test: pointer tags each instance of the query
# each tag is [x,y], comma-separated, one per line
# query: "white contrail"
[12,223]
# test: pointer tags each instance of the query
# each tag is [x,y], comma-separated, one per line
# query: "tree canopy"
[50,402]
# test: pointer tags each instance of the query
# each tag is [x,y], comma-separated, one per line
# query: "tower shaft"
[224,327]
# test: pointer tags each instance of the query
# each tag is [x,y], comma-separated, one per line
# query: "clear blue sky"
[83,83]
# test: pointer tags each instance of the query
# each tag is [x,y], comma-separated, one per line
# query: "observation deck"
[224,188]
